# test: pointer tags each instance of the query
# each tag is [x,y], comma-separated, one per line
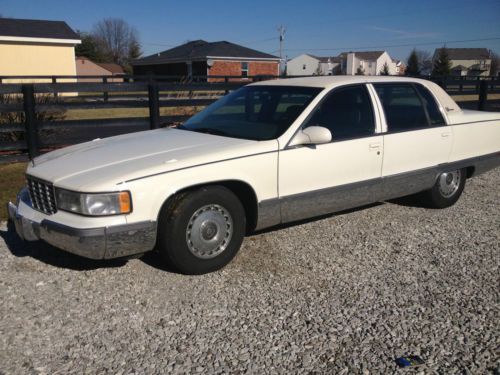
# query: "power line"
[394,45]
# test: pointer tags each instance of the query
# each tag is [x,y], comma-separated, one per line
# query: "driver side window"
[347,112]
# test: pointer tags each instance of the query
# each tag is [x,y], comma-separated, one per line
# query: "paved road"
[344,294]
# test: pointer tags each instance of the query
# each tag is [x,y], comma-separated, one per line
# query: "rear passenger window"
[435,116]
[347,112]
[402,106]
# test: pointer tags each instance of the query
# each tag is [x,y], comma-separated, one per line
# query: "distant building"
[308,65]
[400,67]
[468,61]
[369,63]
[201,58]
[86,67]
[36,47]
[350,63]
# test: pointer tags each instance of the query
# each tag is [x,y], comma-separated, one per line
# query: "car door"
[323,178]
[416,139]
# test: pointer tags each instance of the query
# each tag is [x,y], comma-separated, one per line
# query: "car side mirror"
[313,135]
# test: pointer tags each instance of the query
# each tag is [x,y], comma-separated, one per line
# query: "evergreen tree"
[495,64]
[412,67]
[360,71]
[90,48]
[385,70]
[442,64]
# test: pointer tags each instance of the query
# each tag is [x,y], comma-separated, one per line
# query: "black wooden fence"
[31,133]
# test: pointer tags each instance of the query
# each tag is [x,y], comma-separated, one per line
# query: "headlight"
[94,204]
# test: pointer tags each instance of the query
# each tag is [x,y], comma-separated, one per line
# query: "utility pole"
[282,31]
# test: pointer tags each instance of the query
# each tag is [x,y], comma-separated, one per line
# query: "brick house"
[201,58]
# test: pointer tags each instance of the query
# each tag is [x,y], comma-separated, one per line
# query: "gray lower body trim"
[101,243]
[320,202]
[269,213]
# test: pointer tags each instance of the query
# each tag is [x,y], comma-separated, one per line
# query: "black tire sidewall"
[439,201]
[172,233]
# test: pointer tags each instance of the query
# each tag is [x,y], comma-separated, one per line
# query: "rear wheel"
[446,190]
[202,230]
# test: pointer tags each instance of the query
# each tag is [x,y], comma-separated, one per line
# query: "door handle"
[374,146]
[445,135]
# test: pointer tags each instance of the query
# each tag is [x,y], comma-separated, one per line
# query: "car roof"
[329,82]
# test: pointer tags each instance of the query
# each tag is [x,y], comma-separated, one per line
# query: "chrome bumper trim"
[95,243]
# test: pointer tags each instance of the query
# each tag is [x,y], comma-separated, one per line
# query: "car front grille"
[42,195]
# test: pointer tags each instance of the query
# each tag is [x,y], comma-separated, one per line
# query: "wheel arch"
[243,191]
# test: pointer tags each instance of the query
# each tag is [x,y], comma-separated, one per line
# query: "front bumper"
[95,243]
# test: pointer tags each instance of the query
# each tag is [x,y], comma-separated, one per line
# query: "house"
[369,63]
[86,67]
[36,48]
[468,61]
[400,67]
[308,65]
[201,58]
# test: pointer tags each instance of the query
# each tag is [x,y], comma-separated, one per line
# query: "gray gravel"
[345,294]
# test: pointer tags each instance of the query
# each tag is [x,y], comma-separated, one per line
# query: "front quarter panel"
[258,170]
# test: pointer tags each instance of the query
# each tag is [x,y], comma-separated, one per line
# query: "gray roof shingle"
[324,59]
[466,53]
[36,29]
[199,50]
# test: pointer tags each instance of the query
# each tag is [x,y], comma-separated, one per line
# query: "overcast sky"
[324,28]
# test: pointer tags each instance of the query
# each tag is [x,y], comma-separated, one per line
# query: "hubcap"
[449,183]
[209,231]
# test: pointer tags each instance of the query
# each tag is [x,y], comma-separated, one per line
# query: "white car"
[269,153]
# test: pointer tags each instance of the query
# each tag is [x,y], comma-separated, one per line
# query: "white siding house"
[370,63]
[308,65]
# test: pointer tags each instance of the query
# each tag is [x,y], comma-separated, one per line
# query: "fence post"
[154,105]
[105,93]
[31,129]
[54,80]
[226,80]
[483,95]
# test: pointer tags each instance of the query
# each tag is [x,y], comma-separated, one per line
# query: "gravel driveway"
[344,294]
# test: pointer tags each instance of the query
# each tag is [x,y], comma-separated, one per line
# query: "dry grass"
[89,114]
[11,181]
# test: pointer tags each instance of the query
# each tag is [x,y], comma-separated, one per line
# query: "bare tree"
[118,40]
[424,61]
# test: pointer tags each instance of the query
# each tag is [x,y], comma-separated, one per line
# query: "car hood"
[95,165]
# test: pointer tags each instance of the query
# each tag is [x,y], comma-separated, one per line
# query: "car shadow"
[52,256]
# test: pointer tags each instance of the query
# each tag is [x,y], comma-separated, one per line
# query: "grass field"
[11,180]
[90,114]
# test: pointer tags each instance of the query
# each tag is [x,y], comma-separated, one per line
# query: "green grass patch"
[11,181]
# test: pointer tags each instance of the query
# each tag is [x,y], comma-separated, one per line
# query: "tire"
[202,230]
[447,189]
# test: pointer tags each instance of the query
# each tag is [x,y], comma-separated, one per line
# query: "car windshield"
[253,112]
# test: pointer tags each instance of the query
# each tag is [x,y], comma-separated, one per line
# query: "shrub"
[11,118]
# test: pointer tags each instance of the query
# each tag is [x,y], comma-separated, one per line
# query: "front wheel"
[447,189]
[202,230]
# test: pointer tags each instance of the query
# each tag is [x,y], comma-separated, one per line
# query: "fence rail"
[26,127]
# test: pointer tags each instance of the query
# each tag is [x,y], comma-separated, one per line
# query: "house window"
[244,69]
[370,64]
[304,67]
